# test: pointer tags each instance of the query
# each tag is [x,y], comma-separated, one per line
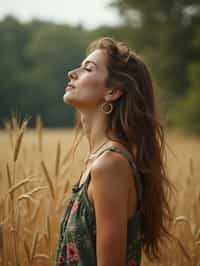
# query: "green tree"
[163,31]
[187,115]
[35,58]
[52,52]
[13,39]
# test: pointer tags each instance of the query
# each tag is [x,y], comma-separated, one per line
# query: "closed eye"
[87,69]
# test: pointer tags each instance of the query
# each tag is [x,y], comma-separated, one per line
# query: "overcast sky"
[90,13]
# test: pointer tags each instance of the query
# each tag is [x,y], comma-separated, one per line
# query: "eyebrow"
[89,61]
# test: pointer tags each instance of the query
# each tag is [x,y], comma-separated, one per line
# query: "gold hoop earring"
[107,107]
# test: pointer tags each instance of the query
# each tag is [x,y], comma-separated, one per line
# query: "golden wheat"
[39,127]
[34,244]
[18,221]
[19,140]
[48,178]
[58,154]
[26,248]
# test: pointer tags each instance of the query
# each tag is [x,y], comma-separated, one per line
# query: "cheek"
[93,87]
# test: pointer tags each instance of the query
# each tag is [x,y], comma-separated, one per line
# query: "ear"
[113,94]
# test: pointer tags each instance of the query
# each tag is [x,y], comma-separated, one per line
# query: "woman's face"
[88,82]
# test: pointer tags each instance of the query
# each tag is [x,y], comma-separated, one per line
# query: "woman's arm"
[110,184]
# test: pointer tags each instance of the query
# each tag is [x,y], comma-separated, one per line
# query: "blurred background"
[40,41]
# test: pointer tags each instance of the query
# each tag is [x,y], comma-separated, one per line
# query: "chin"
[68,100]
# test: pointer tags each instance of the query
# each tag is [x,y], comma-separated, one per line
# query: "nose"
[72,74]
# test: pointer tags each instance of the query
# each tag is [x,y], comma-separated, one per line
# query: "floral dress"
[77,240]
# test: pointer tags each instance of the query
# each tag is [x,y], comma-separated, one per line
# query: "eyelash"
[87,69]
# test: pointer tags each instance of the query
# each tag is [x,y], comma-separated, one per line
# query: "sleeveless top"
[77,239]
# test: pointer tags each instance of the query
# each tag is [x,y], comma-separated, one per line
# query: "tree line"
[35,57]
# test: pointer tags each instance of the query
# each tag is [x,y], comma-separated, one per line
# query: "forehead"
[99,57]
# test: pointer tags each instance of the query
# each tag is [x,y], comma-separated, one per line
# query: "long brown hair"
[135,123]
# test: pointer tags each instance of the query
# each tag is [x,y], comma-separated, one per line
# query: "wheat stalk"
[39,127]
[15,253]
[197,236]
[29,194]
[41,256]
[57,165]
[19,184]
[46,173]
[19,140]
[66,186]
[1,245]
[14,122]
[33,248]
[184,251]
[9,176]
[181,219]
[191,163]
[25,196]
[17,221]
[35,213]
[65,171]
[48,228]
[27,251]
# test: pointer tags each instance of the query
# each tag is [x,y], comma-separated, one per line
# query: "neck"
[94,126]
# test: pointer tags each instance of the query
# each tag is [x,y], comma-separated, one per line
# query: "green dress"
[77,240]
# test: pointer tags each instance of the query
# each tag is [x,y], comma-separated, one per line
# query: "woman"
[119,206]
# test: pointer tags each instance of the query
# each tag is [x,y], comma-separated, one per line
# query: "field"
[36,175]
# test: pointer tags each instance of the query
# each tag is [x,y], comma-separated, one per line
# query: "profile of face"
[87,83]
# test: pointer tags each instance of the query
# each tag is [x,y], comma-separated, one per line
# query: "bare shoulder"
[110,163]
[111,173]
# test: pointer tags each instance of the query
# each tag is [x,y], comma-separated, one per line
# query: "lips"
[69,87]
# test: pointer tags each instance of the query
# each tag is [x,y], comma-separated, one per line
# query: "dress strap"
[128,156]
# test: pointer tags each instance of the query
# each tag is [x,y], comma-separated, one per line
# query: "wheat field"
[36,175]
